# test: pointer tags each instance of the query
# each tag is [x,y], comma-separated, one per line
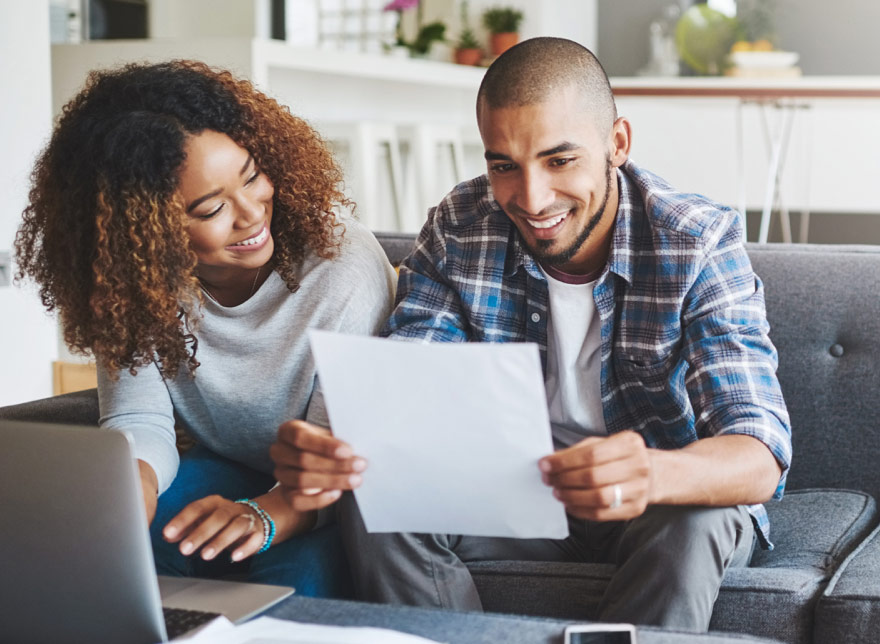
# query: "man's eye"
[561,161]
[502,168]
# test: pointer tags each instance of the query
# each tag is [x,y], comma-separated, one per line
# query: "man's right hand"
[150,487]
[312,466]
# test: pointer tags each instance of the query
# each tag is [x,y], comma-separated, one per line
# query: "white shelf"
[277,54]
[256,59]
[316,84]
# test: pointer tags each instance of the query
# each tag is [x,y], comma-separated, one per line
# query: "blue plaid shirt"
[685,350]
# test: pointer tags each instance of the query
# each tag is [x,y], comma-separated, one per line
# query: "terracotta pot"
[500,43]
[468,56]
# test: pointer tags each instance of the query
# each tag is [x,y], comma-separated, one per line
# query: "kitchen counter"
[740,87]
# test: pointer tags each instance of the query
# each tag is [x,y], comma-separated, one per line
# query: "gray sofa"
[822,582]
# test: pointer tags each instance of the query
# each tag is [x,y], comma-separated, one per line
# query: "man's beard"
[555,259]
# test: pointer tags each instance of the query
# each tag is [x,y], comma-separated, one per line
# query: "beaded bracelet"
[268,523]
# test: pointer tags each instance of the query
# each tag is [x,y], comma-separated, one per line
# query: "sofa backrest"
[823,304]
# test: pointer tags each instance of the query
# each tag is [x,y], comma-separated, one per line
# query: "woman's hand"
[312,466]
[212,525]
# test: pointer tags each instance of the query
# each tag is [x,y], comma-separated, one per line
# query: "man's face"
[551,171]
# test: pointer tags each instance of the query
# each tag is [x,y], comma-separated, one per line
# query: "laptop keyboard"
[180,620]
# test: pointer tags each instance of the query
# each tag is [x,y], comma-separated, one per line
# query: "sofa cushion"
[814,530]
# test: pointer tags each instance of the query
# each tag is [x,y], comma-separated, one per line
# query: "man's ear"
[621,139]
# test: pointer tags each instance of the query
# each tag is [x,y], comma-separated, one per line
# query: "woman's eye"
[213,213]
[252,178]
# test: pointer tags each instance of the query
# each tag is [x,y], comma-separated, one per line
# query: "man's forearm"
[719,471]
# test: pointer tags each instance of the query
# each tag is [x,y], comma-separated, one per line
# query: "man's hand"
[602,479]
[313,467]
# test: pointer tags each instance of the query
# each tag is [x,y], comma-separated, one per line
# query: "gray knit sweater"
[256,367]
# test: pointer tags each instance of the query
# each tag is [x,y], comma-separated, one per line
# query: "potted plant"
[467,49]
[399,46]
[503,26]
[427,36]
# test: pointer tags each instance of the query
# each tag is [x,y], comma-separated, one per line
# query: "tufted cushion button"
[836,350]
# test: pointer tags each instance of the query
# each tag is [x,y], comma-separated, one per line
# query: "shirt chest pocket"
[653,386]
[649,369]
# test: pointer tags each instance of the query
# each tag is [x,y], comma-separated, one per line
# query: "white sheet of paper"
[268,630]
[452,433]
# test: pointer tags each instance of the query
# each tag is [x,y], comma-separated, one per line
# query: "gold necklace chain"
[210,295]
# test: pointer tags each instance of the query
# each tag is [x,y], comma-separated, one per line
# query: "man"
[668,420]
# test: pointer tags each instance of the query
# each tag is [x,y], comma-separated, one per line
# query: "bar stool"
[777,144]
[435,164]
[363,148]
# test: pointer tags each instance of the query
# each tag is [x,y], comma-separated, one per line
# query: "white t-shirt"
[574,360]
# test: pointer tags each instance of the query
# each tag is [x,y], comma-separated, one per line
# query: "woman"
[182,224]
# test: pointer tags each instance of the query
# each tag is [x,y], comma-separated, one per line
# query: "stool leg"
[458,160]
[395,170]
[426,164]
[364,176]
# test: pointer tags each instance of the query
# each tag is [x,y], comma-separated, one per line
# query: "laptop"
[76,562]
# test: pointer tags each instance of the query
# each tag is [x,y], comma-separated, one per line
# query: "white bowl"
[764,59]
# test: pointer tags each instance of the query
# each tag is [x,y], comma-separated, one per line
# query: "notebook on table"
[76,562]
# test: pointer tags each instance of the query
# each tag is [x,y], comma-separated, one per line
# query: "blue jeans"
[314,563]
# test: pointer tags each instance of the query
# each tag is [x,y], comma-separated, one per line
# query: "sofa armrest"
[849,609]
[77,408]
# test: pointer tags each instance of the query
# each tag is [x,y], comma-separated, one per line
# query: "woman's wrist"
[266,520]
[288,522]
[149,487]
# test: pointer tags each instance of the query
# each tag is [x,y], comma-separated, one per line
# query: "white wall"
[199,18]
[28,341]
[573,19]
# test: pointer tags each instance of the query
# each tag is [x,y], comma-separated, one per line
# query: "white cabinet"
[692,138]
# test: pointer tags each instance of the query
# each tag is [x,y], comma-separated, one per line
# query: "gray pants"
[670,562]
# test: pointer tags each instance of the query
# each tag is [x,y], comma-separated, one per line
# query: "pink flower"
[400,5]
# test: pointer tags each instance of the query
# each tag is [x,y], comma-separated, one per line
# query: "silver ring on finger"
[250,518]
[618,497]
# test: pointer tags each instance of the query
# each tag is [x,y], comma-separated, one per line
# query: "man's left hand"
[601,478]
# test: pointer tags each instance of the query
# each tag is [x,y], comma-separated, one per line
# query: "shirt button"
[836,350]
[536,317]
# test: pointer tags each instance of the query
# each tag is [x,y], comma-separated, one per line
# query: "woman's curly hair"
[103,234]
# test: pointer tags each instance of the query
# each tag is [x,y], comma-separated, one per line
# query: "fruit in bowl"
[703,37]
[746,45]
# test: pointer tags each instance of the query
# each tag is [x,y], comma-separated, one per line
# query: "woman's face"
[228,203]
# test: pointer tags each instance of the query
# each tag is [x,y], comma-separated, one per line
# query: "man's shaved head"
[536,69]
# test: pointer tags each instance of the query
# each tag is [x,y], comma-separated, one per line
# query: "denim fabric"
[314,563]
